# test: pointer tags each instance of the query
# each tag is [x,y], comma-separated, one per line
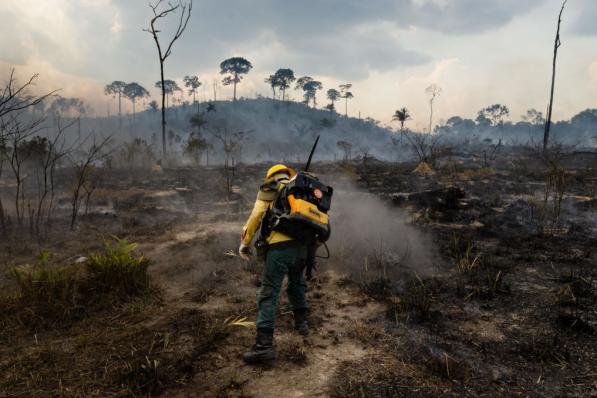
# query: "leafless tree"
[14,97]
[231,145]
[84,175]
[425,145]
[433,91]
[185,14]
[346,147]
[557,45]
[16,126]
[57,149]
[491,152]
[17,132]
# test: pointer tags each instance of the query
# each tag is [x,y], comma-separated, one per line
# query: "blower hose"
[327,249]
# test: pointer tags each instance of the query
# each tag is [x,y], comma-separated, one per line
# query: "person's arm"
[254,221]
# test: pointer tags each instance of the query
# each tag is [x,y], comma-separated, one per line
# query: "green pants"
[286,259]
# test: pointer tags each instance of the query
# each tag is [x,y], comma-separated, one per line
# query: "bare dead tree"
[232,146]
[83,172]
[557,45]
[236,150]
[425,145]
[14,97]
[16,133]
[433,91]
[490,153]
[15,100]
[346,148]
[163,55]
[56,151]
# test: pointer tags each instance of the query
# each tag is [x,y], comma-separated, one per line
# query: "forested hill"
[266,129]
[271,130]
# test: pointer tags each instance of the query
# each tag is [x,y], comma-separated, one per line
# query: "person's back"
[285,256]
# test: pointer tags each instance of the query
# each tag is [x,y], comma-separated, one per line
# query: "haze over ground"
[479,52]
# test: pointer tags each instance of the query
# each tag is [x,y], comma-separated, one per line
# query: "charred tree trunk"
[557,45]
[162,56]
[430,115]
[163,109]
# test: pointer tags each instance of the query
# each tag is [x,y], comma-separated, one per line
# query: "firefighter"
[285,257]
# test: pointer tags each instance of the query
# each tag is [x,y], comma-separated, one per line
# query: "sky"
[480,52]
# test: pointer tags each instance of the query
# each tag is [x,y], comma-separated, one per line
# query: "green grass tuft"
[49,293]
[118,271]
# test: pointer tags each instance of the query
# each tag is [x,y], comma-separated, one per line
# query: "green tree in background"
[333,96]
[235,68]
[346,94]
[170,87]
[116,88]
[192,83]
[284,78]
[401,116]
[132,91]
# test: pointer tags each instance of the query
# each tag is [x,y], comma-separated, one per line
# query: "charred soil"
[502,305]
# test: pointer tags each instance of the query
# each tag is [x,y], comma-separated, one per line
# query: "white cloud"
[51,79]
[391,50]
[116,24]
[593,76]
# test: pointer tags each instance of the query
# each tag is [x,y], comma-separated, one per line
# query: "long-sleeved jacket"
[262,203]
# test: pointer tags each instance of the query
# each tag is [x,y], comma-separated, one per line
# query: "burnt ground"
[508,308]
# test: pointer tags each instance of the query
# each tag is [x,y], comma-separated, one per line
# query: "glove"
[244,252]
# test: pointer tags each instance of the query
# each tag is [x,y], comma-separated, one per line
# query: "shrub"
[51,292]
[49,289]
[118,271]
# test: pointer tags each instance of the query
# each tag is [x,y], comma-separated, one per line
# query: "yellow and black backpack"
[300,209]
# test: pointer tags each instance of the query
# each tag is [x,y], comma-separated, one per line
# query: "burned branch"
[83,172]
[14,96]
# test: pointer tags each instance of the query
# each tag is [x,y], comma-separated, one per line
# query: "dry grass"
[477,278]
[485,282]
[463,254]
[543,346]
[415,301]
[378,288]
[291,348]
[115,356]
[444,364]
[366,333]
[380,376]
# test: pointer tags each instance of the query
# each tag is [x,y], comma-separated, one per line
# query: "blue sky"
[479,51]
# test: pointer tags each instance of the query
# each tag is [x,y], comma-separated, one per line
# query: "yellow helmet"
[279,168]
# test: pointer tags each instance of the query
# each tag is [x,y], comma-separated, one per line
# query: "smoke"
[371,238]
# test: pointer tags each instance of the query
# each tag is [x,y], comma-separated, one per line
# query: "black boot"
[300,321]
[263,351]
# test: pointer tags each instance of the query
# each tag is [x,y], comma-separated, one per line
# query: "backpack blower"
[300,208]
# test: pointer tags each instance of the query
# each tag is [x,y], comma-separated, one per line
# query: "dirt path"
[304,366]
[187,256]
[328,346]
